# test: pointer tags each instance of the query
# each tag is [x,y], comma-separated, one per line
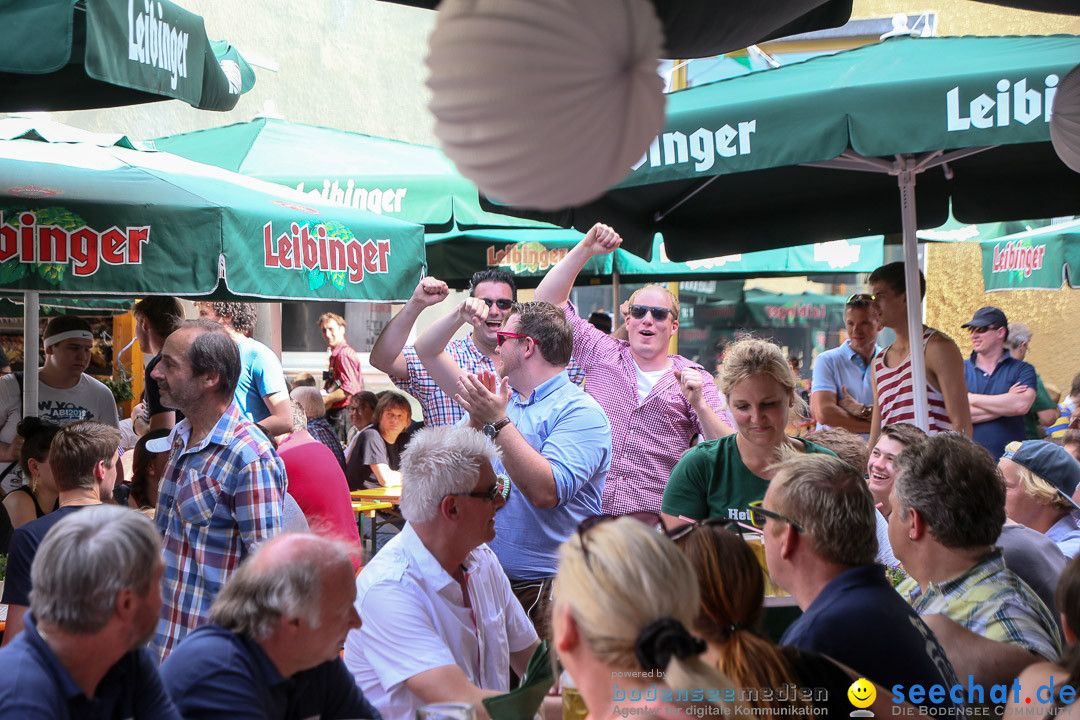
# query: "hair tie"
[662,639]
[734,628]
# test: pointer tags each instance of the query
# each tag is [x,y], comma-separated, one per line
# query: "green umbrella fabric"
[90,214]
[76,55]
[11,308]
[769,310]
[1041,259]
[766,160]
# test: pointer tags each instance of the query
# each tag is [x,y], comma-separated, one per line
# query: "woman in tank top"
[39,497]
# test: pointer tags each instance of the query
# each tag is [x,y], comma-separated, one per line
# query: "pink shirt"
[647,438]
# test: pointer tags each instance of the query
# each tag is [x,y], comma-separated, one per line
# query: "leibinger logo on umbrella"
[702,146]
[1012,101]
[83,247]
[1018,256]
[154,42]
[524,257]
[299,249]
[376,200]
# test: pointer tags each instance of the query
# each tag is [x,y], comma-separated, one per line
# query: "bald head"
[310,399]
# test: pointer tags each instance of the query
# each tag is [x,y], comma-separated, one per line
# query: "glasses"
[501,303]
[501,489]
[758,515]
[651,519]
[659,314]
[502,336]
[684,530]
[981,330]
[859,300]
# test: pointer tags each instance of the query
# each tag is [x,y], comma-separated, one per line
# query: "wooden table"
[368,508]
[381,494]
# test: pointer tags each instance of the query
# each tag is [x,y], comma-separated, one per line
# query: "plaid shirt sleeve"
[257,500]
[591,346]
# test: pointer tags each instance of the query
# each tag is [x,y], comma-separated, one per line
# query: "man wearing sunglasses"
[440,621]
[842,390]
[656,402]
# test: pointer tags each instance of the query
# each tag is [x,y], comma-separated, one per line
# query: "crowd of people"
[568,484]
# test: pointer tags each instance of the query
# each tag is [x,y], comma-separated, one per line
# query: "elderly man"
[83,458]
[97,590]
[818,518]
[948,503]
[311,401]
[656,403]
[842,388]
[221,492]
[271,648]
[1043,411]
[1040,481]
[555,439]
[441,623]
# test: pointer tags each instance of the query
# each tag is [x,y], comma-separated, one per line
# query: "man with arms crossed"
[842,389]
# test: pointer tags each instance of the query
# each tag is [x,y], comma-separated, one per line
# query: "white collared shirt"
[415,619]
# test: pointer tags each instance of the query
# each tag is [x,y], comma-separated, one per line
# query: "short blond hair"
[752,356]
[672,300]
[1036,487]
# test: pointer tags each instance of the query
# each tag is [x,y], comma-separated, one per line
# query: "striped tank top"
[895,394]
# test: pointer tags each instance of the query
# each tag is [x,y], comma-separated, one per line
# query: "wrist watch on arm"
[491,430]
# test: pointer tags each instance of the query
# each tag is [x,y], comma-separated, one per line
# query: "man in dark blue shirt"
[1001,389]
[271,649]
[820,541]
[95,603]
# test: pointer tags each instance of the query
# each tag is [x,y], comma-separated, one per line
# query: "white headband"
[61,337]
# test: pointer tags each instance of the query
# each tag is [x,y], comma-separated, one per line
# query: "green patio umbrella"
[832,147]
[773,310]
[81,54]
[1040,259]
[89,214]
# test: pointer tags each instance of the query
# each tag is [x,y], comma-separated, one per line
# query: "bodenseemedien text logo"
[804,701]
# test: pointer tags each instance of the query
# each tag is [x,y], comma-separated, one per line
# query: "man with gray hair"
[441,623]
[820,541]
[97,590]
[1043,411]
[948,503]
[315,411]
[272,647]
[222,491]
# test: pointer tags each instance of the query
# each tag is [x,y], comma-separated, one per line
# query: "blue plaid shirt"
[218,498]
[321,431]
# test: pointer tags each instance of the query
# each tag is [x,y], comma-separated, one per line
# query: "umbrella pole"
[906,180]
[615,315]
[31,311]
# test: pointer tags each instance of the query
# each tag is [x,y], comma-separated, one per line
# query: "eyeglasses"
[981,330]
[758,515]
[659,314]
[684,530]
[651,519]
[502,336]
[501,489]
[502,303]
[859,300]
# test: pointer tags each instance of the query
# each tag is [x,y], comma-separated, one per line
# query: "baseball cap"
[160,445]
[986,316]
[1051,463]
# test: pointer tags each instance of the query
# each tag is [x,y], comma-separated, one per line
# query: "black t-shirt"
[370,450]
[153,394]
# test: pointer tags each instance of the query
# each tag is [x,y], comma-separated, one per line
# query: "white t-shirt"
[415,620]
[88,400]
[646,380]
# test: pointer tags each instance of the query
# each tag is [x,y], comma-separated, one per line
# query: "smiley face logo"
[862,693]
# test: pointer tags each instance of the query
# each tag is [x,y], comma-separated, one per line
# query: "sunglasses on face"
[502,336]
[659,314]
[501,489]
[502,303]
[981,330]
[651,519]
[859,300]
[758,515]
[683,531]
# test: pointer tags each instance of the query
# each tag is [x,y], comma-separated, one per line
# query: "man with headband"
[66,394]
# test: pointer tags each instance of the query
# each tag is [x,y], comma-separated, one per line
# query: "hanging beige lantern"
[1065,121]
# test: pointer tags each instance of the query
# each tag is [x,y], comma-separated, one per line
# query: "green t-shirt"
[711,480]
[1042,402]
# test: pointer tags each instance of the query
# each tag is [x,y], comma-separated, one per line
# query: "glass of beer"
[446,711]
[758,546]
[573,705]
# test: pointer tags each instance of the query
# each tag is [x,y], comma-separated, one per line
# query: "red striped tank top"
[895,394]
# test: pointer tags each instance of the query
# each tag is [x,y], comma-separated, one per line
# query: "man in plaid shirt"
[222,490]
[656,402]
[473,353]
[948,503]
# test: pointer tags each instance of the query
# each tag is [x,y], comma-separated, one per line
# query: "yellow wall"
[966,17]
[954,291]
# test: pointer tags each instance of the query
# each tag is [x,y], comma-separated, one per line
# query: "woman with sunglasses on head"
[39,496]
[720,478]
[623,600]
[729,620]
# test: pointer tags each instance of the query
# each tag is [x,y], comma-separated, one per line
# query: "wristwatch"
[492,429]
[867,412]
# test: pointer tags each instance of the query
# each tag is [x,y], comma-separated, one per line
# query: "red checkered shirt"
[439,408]
[647,438]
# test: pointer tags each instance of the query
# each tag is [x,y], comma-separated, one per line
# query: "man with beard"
[84,457]
[222,491]
[97,590]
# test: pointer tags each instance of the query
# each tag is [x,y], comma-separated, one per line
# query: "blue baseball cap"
[985,317]
[1051,463]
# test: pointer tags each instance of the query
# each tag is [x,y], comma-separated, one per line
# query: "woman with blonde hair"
[623,600]
[1040,481]
[721,478]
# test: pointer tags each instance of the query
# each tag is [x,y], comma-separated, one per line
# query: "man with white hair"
[271,648]
[437,590]
[97,590]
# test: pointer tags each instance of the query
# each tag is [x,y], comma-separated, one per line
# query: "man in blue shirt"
[842,390]
[555,439]
[271,648]
[1001,389]
[97,591]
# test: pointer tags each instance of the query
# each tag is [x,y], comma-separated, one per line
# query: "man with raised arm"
[656,402]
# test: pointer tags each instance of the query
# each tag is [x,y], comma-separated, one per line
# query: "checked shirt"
[647,438]
[218,499]
[439,408]
[991,601]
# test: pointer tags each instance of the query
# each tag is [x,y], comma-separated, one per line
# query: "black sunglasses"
[651,519]
[659,314]
[859,300]
[758,515]
[501,489]
[682,531]
[503,303]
